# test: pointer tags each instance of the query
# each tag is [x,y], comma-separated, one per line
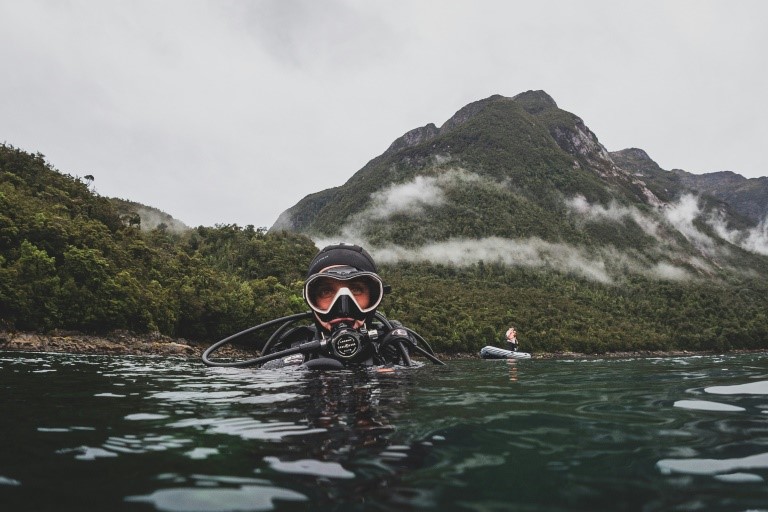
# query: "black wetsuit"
[375,352]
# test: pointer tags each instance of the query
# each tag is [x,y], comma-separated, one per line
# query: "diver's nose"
[344,306]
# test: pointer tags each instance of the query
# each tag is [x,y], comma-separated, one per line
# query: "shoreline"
[116,343]
[125,343]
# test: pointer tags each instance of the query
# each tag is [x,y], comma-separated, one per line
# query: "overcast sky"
[232,111]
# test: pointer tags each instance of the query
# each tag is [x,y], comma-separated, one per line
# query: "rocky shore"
[124,343]
[118,342]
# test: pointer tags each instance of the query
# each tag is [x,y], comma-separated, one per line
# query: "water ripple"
[309,467]
[752,388]
[713,466]
[248,498]
[704,405]
[249,428]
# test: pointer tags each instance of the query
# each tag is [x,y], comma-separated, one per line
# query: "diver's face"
[342,294]
[327,288]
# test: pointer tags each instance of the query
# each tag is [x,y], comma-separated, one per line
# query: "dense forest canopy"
[68,260]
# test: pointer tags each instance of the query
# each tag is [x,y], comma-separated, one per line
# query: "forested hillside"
[511,213]
[68,260]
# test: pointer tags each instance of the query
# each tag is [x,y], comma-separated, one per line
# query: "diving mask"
[343,292]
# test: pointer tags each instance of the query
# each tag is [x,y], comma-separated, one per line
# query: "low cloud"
[753,240]
[533,252]
[681,216]
[687,209]
[413,196]
[614,212]
[408,198]
[666,272]
[600,264]
[151,219]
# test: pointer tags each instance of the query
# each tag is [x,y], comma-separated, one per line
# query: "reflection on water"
[250,495]
[752,388]
[512,364]
[129,433]
[714,466]
[705,405]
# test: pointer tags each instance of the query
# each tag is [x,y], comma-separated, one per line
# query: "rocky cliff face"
[413,138]
[748,196]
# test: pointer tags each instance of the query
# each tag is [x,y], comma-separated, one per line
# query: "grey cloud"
[221,112]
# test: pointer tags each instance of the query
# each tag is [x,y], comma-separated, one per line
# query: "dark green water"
[85,433]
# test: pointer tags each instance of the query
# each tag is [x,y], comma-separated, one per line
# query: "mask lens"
[322,291]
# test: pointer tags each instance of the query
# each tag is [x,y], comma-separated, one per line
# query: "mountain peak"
[469,111]
[635,160]
[535,101]
[413,137]
[635,153]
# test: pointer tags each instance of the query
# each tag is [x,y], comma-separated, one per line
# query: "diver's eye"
[325,292]
[358,287]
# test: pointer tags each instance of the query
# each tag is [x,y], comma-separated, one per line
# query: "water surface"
[140,433]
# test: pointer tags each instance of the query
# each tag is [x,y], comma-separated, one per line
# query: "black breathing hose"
[310,346]
[258,360]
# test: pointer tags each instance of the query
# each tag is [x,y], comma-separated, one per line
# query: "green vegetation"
[69,260]
[468,308]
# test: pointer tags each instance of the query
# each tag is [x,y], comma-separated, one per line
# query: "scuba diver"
[343,291]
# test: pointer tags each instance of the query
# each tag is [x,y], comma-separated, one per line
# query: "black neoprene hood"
[342,254]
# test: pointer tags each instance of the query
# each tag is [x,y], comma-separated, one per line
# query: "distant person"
[511,339]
